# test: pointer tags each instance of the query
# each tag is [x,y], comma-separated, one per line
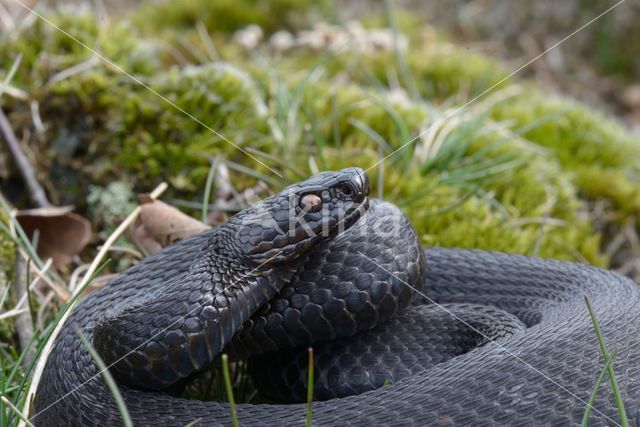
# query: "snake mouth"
[358,183]
[357,212]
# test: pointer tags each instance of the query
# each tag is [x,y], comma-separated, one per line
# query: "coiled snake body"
[477,338]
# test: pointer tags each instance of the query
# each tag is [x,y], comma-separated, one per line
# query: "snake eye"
[311,203]
[346,190]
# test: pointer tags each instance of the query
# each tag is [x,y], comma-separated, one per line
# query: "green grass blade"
[207,188]
[108,379]
[309,388]
[229,389]
[20,359]
[371,133]
[612,376]
[405,71]
[596,387]
[16,411]
[251,172]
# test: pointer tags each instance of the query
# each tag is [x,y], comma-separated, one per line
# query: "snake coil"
[465,337]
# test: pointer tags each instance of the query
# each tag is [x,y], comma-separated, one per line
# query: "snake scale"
[402,336]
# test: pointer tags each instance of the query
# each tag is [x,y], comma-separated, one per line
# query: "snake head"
[281,228]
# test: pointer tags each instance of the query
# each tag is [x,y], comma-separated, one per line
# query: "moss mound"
[513,171]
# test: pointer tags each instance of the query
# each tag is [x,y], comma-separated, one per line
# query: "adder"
[402,335]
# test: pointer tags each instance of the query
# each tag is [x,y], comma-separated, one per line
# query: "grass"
[15,368]
[301,112]
[229,390]
[309,415]
[208,187]
[108,379]
[596,389]
[608,359]
[21,381]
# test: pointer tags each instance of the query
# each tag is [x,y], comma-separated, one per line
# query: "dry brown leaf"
[62,233]
[160,225]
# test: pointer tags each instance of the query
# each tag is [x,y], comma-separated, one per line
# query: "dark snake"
[463,338]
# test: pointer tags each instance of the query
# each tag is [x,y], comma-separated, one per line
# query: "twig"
[36,192]
[24,322]
[37,375]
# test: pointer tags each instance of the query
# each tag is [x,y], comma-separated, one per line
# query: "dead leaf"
[630,97]
[160,225]
[61,232]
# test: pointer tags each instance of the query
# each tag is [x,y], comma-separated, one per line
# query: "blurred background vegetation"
[542,163]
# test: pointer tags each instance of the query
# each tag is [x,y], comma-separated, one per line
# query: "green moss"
[176,137]
[500,191]
[47,51]
[513,175]
[451,217]
[603,157]
[224,15]
[7,262]
[440,70]
[7,250]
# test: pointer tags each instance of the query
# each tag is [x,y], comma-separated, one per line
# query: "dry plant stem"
[62,293]
[37,375]
[24,322]
[36,192]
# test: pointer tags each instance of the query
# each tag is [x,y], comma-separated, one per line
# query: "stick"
[38,196]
